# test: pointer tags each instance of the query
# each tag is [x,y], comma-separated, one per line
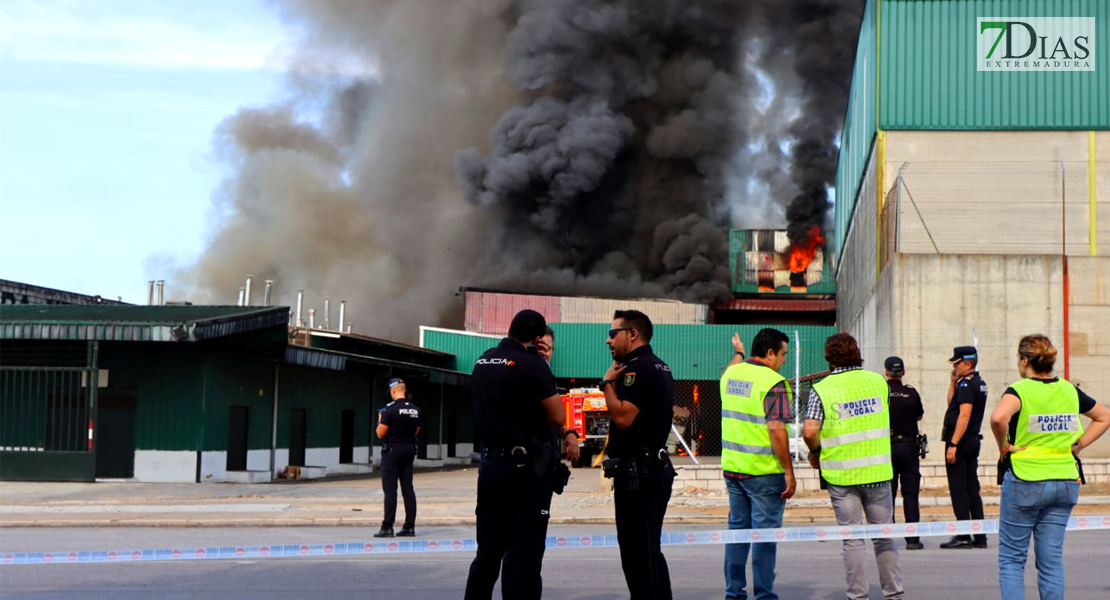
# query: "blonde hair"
[1040,352]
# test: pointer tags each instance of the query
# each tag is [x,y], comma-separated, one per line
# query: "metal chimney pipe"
[327,314]
[348,328]
[242,295]
[150,293]
[342,314]
[312,318]
[268,296]
[247,296]
[300,305]
[161,286]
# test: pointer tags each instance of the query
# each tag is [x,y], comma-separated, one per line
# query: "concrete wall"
[991,202]
[999,192]
[1089,327]
[924,305]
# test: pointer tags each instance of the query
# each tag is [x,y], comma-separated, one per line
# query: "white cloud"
[208,35]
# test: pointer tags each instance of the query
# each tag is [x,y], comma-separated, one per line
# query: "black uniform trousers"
[513,510]
[397,465]
[963,484]
[639,516]
[907,468]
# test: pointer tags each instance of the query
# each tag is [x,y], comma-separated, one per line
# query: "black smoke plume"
[597,147]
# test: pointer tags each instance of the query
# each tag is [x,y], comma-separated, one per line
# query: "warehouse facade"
[206,393]
[973,206]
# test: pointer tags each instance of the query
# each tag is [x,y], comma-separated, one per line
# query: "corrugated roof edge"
[465,289]
[137,329]
[387,342]
[337,361]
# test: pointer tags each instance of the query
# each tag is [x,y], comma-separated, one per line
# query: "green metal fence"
[47,415]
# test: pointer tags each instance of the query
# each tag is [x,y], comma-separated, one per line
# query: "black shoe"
[407,532]
[384,532]
[956,542]
[979,544]
[915,546]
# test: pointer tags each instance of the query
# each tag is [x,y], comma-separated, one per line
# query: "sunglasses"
[613,332]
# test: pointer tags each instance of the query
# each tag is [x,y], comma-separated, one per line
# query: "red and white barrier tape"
[608,540]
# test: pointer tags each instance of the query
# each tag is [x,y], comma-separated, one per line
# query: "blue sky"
[107,110]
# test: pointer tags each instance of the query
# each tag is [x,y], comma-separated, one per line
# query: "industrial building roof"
[135,323]
[337,361]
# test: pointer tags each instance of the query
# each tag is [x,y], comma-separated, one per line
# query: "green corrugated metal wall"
[929,78]
[233,381]
[324,395]
[694,352]
[859,126]
[168,385]
[466,348]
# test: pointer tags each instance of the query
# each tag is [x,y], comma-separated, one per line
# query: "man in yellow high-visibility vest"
[847,429]
[755,455]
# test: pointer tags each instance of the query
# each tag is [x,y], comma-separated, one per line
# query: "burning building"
[765,259]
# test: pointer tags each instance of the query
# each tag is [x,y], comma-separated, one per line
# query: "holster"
[559,477]
[624,472]
[386,448]
[922,445]
[547,464]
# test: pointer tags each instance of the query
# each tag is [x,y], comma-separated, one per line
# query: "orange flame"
[695,393]
[801,256]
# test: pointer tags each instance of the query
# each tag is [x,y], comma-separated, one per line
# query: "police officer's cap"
[396,381]
[896,367]
[963,353]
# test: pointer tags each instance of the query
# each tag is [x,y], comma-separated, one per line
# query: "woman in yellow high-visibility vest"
[1039,435]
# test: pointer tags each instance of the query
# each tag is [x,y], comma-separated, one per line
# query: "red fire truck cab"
[587,414]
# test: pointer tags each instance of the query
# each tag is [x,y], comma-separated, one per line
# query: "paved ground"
[806,570]
[445,496]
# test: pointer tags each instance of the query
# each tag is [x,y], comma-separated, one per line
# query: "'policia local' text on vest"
[855,436]
[745,440]
[1048,424]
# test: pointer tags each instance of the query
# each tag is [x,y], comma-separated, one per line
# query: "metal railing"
[49,408]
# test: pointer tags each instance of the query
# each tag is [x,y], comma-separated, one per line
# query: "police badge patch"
[629,379]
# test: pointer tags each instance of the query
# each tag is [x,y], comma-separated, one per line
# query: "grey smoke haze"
[546,146]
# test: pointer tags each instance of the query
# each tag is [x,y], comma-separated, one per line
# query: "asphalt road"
[806,570]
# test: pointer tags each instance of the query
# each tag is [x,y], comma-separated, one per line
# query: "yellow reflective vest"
[745,440]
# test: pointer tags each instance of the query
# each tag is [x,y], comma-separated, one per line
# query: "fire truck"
[587,414]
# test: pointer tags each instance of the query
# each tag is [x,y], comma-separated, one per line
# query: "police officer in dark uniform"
[905,411]
[963,421]
[639,393]
[518,414]
[398,426]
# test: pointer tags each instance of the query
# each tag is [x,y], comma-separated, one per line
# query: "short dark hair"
[768,340]
[636,320]
[549,332]
[841,350]
[527,325]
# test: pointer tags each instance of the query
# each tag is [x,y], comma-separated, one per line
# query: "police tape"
[815,533]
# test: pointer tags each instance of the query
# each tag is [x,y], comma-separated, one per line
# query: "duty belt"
[497,453]
[659,455]
[897,437]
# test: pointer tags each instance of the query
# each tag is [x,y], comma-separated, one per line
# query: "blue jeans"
[754,503]
[1040,508]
